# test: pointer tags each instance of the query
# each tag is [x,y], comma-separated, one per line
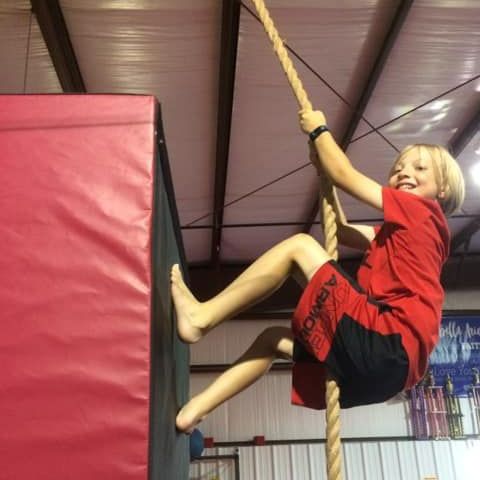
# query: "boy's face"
[414,172]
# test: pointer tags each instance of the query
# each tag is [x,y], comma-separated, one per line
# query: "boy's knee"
[303,238]
[306,243]
[308,254]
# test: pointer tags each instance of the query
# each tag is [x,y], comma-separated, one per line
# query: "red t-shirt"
[402,268]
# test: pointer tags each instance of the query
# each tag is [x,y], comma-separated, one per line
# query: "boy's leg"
[298,253]
[272,343]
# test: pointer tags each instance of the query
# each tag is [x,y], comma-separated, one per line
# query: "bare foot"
[187,308]
[188,417]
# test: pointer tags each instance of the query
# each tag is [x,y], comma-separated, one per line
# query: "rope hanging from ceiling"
[333,446]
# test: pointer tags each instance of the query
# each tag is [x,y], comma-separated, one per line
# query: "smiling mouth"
[405,186]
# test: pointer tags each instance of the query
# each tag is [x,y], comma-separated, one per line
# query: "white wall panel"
[371,461]
[300,464]
[389,460]
[424,457]
[443,455]
[280,460]
[408,468]
[318,461]
[265,409]
[263,466]
[355,462]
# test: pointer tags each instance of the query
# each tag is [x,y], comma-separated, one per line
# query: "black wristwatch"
[317,132]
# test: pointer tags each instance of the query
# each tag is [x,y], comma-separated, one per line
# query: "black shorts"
[340,331]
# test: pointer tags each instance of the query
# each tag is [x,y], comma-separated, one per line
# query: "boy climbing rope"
[373,334]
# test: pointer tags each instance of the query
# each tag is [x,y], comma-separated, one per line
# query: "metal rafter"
[465,234]
[221,367]
[54,30]
[464,136]
[378,219]
[397,23]
[228,56]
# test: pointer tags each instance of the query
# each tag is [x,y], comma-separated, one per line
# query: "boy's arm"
[337,165]
[353,236]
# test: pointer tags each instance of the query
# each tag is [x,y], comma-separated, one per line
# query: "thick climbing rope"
[333,446]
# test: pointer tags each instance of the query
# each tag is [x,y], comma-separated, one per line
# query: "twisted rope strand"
[282,54]
[333,446]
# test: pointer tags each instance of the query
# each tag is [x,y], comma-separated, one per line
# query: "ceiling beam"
[378,219]
[465,135]
[390,38]
[54,30]
[456,146]
[465,234]
[221,367]
[226,83]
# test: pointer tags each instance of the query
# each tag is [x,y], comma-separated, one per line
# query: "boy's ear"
[441,194]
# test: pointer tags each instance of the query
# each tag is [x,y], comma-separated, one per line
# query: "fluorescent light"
[439,116]
[475,171]
[439,105]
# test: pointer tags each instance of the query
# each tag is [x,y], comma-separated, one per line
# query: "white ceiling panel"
[197,244]
[287,200]
[437,49]
[240,244]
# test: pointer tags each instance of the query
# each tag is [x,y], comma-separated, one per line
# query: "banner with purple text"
[458,352]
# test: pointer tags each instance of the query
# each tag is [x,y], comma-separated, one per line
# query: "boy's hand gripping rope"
[333,446]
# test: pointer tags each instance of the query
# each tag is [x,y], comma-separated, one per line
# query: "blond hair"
[448,175]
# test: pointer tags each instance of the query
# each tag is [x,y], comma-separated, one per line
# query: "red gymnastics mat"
[91,370]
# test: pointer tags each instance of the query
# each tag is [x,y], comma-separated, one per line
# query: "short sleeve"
[406,209]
